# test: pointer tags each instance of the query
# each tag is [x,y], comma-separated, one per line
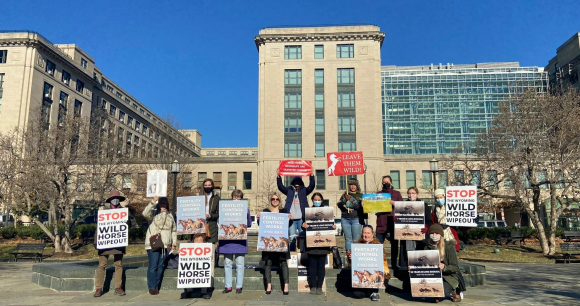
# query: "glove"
[349,204]
[395,218]
[424,230]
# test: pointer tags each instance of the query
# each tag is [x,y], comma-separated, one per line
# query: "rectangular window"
[476,178]
[345,99]
[292,52]
[66,77]
[122,116]
[232,180]
[293,77]
[319,125]
[145,130]
[346,124]
[119,95]
[50,67]
[346,146]
[3,56]
[320,149]
[127,181]
[84,63]
[293,149]
[342,180]
[293,101]
[345,51]
[187,180]
[318,51]
[80,86]
[459,177]
[130,121]
[319,100]
[247,180]
[319,76]
[1,88]
[292,125]
[542,176]
[81,182]
[48,92]
[141,181]
[411,180]
[491,179]
[135,106]
[442,180]
[233,152]
[200,177]
[320,179]
[63,99]
[221,152]
[426,179]
[395,178]
[109,88]
[217,179]
[112,110]
[345,76]
[560,176]
[137,126]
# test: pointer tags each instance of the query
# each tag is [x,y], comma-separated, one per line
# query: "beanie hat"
[439,192]
[436,229]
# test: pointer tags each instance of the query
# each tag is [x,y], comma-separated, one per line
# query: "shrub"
[137,233]
[36,232]
[84,231]
[8,232]
[23,232]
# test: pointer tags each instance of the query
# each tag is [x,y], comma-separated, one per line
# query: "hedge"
[494,232]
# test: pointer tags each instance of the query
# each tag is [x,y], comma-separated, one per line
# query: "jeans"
[296,226]
[316,270]
[352,229]
[101,270]
[228,261]
[156,261]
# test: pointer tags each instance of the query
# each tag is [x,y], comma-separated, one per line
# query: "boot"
[98,292]
[119,291]
[455,296]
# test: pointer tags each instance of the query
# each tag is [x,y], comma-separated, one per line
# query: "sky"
[197,59]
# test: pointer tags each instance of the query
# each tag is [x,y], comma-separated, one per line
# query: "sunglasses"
[274,199]
[367,225]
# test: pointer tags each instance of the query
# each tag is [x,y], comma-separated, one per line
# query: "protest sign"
[426,277]
[156,183]
[112,228]
[410,220]
[303,273]
[461,206]
[319,232]
[295,168]
[294,257]
[377,202]
[195,265]
[190,215]
[233,220]
[273,232]
[367,266]
[345,163]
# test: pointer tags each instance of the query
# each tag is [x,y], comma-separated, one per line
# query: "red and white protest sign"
[295,168]
[345,163]
[195,265]
[112,228]
[461,206]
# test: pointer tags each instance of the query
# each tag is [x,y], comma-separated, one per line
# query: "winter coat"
[276,256]
[112,251]
[235,246]
[356,211]
[310,250]
[162,223]
[214,213]
[385,262]
[434,220]
[450,273]
[384,218]
[302,192]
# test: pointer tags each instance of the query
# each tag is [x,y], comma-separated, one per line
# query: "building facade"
[564,68]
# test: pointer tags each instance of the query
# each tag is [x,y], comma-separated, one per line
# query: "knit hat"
[354,181]
[439,192]
[436,229]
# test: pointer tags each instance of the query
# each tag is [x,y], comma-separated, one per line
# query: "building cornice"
[318,37]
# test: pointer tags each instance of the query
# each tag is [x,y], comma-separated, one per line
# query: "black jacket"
[214,213]
[302,192]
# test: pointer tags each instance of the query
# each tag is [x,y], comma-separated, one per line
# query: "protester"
[449,264]
[198,238]
[386,221]
[211,212]
[164,225]
[114,202]
[316,255]
[352,217]
[278,259]
[296,202]
[439,217]
[237,248]
[368,237]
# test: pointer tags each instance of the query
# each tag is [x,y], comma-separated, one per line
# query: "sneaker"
[455,296]
[375,297]
[319,291]
[227,290]
[119,292]
[238,290]
[312,290]
[98,292]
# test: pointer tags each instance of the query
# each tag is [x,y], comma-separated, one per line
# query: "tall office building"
[564,68]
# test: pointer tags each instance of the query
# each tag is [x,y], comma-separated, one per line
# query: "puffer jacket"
[303,192]
[162,223]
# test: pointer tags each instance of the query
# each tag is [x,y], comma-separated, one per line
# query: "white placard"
[461,206]
[156,183]
[195,265]
[112,228]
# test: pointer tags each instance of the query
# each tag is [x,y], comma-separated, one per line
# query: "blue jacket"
[302,192]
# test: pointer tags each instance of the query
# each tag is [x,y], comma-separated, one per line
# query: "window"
[135,106]
[122,116]
[3,56]
[137,126]
[442,180]
[233,152]
[247,180]
[476,178]
[345,51]
[62,107]
[254,152]
[320,149]
[50,67]
[201,176]
[342,180]
[542,177]
[112,110]
[346,146]
[141,111]
[63,99]
[292,52]
[318,51]
[141,181]
[459,177]
[80,86]
[345,76]
[127,100]
[319,125]
[221,152]
[292,149]
[395,177]
[210,153]
[244,153]
[66,77]
[319,76]
[48,92]
[1,87]
[130,121]
[346,124]
[109,88]
[217,179]
[319,100]
[491,178]
[84,63]
[320,179]
[81,182]
[293,101]
[292,125]
[411,181]
[293,77]
[559,175]
[187,180]
[119,95]
[426,179]
[145,130]
[127,181]
[346,99]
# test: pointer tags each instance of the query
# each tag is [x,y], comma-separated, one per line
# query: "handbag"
[207,231]
[155,241]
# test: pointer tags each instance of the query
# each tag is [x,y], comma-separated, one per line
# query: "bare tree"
[266,187]
[173,120]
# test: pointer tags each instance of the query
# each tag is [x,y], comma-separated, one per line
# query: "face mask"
[207,189]
[435,238]
[317,203]
[115,202]
[386,186]
[440,202]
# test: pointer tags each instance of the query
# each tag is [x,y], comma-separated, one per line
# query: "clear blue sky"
[197,59]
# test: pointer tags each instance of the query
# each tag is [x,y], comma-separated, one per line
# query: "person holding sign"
[386,221]
[316,255]
[237,248]
[352,217]
[439,217]
[161,239]
[296,201]
[114,202]
[212,213]
[275,258]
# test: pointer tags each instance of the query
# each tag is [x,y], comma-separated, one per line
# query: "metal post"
[173,207]
[365,177]
[434,181]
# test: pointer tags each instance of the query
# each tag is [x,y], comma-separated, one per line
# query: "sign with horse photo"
[367,266]
[319,232]
[233,220]
[425,274]
[190,215]
[273,232]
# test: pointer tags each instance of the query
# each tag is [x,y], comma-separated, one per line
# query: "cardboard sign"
[112,228]
[295,168]
[294,257]
[156,183]
[273,232]
[377,202]
[345,163]
[410,220]
[426,277]
[195,265]
[302,272]
[367,266]
[319,232]
[191,215]
[233,220]
[461,206]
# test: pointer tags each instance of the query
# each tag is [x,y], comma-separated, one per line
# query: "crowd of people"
[354,225]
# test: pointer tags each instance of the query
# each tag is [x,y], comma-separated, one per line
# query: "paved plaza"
[506,284]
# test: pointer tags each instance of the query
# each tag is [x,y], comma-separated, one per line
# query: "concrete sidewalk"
[507,284]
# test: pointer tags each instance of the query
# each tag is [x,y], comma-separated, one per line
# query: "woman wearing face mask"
[276,258]
[438,217]
[351,213]
[316,256]
[449,264]
[368,237]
